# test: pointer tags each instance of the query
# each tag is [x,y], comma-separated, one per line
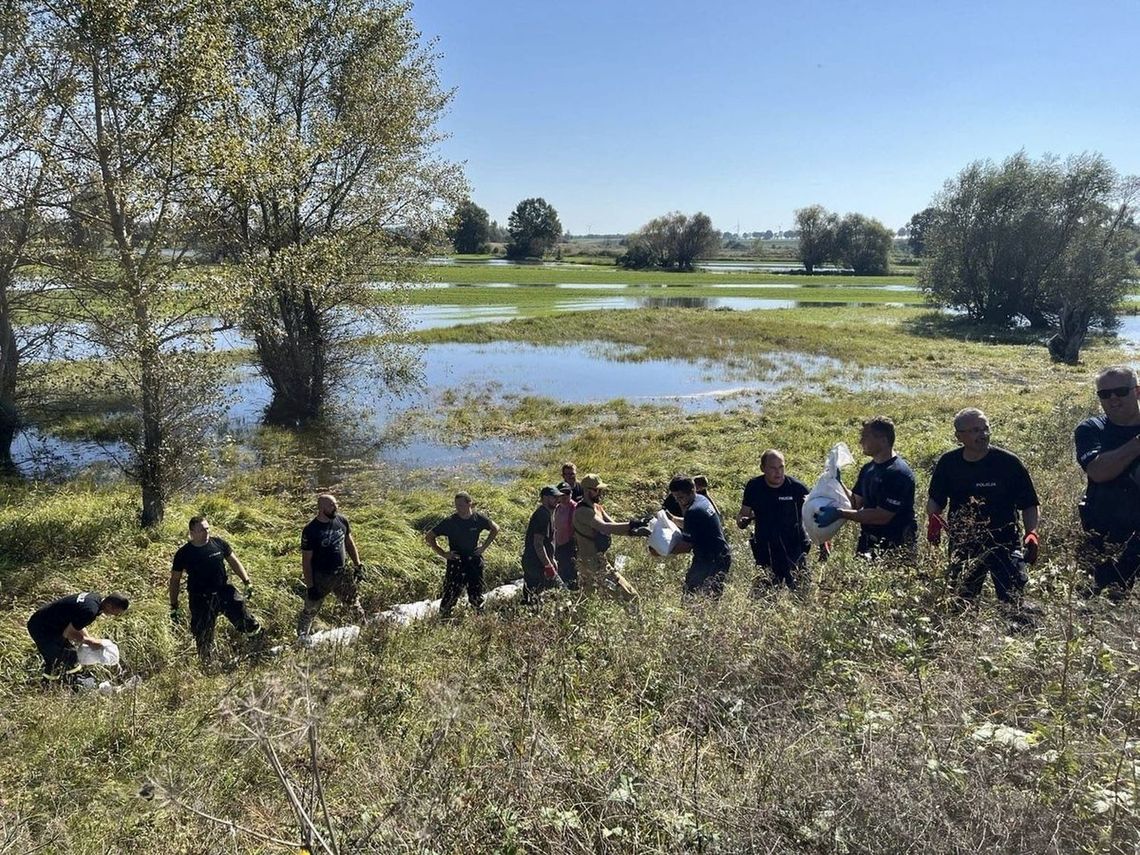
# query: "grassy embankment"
[869,716]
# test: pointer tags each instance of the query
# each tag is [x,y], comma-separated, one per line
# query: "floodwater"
[484,374]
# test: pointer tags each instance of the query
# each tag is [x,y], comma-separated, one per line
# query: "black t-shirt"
[703,530]
[206,565]
[541,523]
[78,610]
[1113,505]
[462,534]
[778,510]
[326,541]
[889,486]
[984,495]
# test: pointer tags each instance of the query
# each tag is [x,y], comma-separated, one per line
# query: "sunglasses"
[1118,391]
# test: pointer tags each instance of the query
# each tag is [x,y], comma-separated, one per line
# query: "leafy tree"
[330,182]
[671,242]
[28,128]
[816,229]
[136,98]
[863,244]
[1040,240]
[470,228]
[533,227]
[916,231]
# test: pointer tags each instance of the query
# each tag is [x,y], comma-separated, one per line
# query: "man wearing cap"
[61,626]
[883,496]
[325,543]
[986,486]
[540,572]
[593,531]
[1108,450]
[204,559]
[704,537]
[565,549]
[464,555]
[780,546]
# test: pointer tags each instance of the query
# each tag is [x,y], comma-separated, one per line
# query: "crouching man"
[60,627]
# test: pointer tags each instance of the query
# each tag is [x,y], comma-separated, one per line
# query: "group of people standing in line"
[981,497]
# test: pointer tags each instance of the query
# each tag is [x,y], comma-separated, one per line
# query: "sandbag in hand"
[826,515]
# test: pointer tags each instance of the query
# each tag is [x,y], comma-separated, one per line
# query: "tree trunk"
[294,362]
[1066,345]
[10,421]
[152,475]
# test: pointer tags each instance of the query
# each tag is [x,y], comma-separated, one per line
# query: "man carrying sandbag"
[882,500]
[593,533]
[702,535]
[780,546]
[61,626]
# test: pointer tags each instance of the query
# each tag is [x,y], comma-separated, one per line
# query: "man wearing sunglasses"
[1108,448]
[986,487]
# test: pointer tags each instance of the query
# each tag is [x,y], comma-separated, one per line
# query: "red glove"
[935,525]
[549,571]
[1031,547]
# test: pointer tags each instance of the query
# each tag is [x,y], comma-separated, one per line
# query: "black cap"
[563,487]
[548,490]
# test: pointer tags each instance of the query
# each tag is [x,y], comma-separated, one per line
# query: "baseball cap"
[549,490]
[563,487]
[593,482]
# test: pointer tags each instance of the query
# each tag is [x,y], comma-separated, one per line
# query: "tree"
[1040,240]
[916,231]
[863,244]
[27,187]
[533,227]
[470,228]
[816,232]
[671,242]
[330,183]
[135,96]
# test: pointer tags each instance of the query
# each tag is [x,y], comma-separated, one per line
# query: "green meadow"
[869,715]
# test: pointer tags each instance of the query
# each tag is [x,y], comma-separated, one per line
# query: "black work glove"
[358,573]
[743,522]
[176,616]
[313,595]
[638,528]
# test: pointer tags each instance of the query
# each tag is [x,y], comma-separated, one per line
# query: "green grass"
[858,719]
[523,274]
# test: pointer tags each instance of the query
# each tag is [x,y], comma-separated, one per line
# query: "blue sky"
[617,112]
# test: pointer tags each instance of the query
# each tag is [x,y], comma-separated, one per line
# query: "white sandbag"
[108,654]
[407,613]
[827,491]
[663,534]
[341,635]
